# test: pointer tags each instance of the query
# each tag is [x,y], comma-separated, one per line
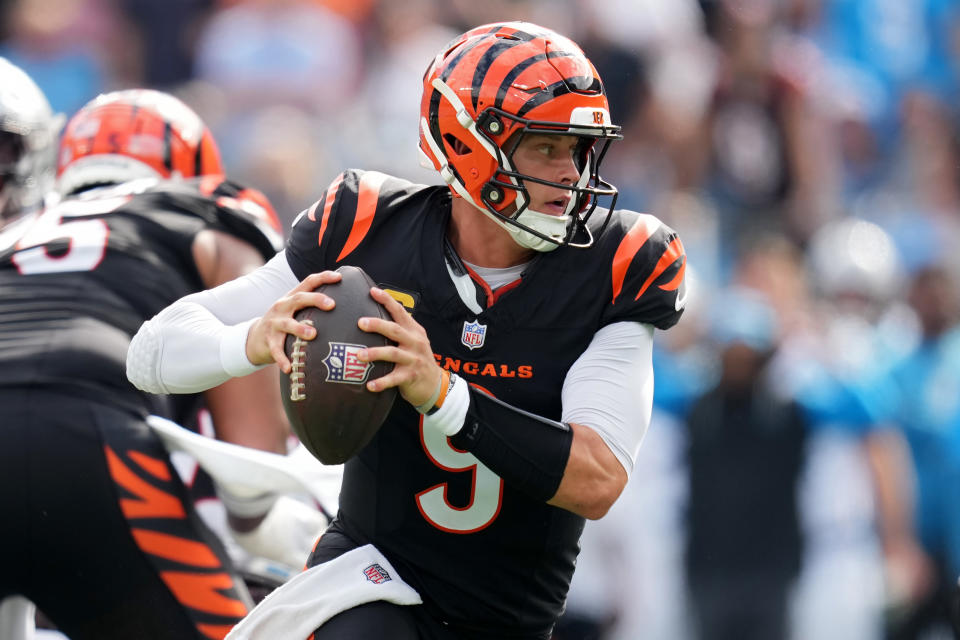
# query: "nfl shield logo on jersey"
[343,366]
[473,334]
[376,574]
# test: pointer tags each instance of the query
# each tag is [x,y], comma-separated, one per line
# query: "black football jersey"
[77,281]
[482,555]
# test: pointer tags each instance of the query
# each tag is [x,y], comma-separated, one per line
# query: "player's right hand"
[415,374]
[268,333]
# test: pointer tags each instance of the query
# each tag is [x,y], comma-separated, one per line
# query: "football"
[325,394]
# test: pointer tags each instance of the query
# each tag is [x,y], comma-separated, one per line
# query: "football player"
[929,418]
[523,314]
[98,530]
[28,142]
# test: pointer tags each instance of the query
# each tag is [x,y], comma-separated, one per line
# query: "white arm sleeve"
[610,388]
[199,341]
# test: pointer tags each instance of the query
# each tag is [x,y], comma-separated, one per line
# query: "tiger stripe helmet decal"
[137,133]
[495,83]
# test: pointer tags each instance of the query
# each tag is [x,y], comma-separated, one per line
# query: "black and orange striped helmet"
[485,90]
[136,133]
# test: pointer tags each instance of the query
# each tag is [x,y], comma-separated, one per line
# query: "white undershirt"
[496,277]
[200,341]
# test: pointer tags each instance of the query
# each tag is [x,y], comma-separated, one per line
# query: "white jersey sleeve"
[199,341]
[610,388]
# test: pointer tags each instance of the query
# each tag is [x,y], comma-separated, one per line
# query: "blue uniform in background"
[929,414]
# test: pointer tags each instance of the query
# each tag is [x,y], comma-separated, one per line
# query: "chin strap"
[551,226]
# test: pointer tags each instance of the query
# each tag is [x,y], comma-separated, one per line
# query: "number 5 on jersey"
[86,239]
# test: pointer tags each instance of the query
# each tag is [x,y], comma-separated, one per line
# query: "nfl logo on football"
[473,334]
[343,366]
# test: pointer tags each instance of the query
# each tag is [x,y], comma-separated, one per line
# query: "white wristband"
[449,418]
[233,350]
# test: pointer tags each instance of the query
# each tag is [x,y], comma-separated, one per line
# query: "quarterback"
[523,312]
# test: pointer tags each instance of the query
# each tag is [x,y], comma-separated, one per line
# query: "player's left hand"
[416,374]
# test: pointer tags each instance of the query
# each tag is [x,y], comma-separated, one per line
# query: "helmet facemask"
[543,230]
[12,178]
[26,168]
[28,135]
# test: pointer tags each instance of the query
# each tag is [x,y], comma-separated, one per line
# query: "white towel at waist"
[298,607]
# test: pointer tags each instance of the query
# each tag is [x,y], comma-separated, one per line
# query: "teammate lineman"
[96,527]
[523,345]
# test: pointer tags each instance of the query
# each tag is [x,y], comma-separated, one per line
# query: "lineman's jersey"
[481,554]
[91,268]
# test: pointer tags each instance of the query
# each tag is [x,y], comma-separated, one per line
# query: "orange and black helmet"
[137,133]
[490,86]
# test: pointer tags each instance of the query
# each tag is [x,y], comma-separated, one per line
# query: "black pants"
[96,529]
[740,609]
[935,614]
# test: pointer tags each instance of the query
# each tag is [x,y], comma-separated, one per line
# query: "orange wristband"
[444,388]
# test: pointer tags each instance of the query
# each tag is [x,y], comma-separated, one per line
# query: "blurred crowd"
[799,476]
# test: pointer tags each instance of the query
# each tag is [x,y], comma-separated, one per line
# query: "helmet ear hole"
[458,146]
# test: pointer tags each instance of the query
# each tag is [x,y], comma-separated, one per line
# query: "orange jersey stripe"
[328,205]
[163,545]
[639,233]
[507,287]
[482,284]
[312,211]
[673,253]
[202,592]
[260,199]
[370,183]
[156,468]
[150,502]
[214,631]
[674,284]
